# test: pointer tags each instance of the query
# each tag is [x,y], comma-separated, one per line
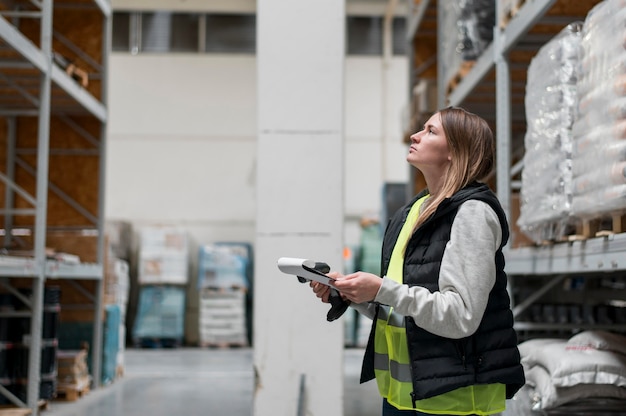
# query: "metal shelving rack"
[492,72]
[39,87]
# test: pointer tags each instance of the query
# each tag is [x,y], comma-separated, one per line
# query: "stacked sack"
[584,373]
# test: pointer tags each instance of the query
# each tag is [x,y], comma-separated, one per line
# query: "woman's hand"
[322,291]
[358,287]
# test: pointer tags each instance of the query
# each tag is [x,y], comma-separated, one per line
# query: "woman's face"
[429,150]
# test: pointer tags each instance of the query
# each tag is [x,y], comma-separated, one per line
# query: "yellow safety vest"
[391,359]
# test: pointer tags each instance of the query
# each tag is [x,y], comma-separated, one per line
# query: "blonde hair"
[472,149]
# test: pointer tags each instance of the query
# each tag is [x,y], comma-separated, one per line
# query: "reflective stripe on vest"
[397,371]
[393,373]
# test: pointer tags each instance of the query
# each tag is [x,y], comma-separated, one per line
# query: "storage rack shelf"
[495,85]
[600,254]
[27,267]
[525,326]
[53,63]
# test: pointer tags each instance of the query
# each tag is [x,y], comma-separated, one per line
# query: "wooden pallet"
[604,225]
[223,345]
[71,392]
[15,411]
[155,342]
[464,69]
[227,289]
[10,410]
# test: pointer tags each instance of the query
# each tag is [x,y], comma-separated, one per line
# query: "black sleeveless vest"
[440,364]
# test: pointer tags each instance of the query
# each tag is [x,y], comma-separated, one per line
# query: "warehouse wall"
[182,141]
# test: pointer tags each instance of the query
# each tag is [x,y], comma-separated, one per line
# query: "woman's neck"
[434,190]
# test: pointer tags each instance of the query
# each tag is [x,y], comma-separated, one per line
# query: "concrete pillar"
[298,355]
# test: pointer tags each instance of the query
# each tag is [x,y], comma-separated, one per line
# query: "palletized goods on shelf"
[471,25]
[598,154]
[73,374]
[551,103]
[574,177]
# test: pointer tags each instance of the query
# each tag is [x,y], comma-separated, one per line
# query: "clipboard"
[303,268]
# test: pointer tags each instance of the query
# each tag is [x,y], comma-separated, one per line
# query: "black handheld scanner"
[338,304]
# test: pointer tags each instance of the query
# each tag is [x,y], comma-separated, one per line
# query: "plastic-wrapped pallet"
[116,292]
[551,105]
[475,27]
[110,343]
[449,42]
[163,256]
[222,267]
[222,318]
[160,316]
[599,157]
[474,21]
[117,284]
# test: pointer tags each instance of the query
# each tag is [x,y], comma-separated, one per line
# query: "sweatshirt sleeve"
[466,277]
[367,309]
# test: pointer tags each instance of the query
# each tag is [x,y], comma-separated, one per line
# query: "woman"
[442,340]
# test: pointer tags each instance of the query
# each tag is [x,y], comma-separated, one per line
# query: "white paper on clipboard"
[303,268]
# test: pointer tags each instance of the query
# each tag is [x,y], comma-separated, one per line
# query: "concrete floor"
[194,381]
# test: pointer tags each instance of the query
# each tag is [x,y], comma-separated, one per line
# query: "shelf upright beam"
[503,123]
[441,82]
[415,18]
[98,310]
[105,7]
[43,144]
[503,126]
[9,195]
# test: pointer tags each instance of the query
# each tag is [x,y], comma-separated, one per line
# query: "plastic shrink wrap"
[475,27]
[599,153]
[551,106]
[474,21]
[449,43]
